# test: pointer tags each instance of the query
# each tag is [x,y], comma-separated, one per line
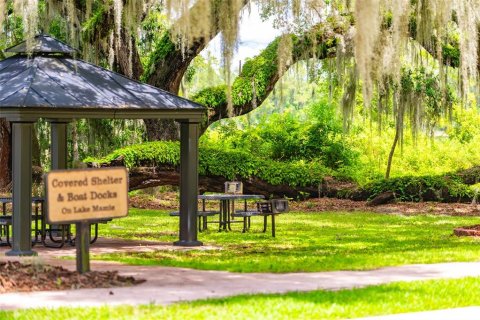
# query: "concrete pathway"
[167,285]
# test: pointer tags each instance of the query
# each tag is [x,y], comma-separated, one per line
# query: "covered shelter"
[47,81]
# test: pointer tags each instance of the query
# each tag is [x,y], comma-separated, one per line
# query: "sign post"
[83,197]
[82,244]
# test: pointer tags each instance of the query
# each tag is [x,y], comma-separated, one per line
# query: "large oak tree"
[313,29]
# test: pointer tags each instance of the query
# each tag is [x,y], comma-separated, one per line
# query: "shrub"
[228,163]
[423,188]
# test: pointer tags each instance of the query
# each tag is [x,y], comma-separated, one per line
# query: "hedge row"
[236,164]
[230,164]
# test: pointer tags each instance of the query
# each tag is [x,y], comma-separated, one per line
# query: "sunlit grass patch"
[370,301]
[304,242]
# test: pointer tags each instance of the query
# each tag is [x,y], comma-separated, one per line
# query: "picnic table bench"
[228,212]
[41,231]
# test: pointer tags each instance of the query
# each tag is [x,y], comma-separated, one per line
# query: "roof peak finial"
[43,44]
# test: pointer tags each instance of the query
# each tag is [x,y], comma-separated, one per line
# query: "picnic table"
[40,226]
[227,206]
[6,219]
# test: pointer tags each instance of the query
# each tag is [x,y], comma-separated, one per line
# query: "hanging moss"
[91,25]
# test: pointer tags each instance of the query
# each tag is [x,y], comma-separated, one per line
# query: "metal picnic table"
[6,219]
[227,205]
[38,216]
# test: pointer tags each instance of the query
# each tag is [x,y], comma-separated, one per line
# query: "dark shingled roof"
[51,78]
[43,44]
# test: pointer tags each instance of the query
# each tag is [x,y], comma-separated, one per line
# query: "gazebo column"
[22,189]
[188,184]
[58,149]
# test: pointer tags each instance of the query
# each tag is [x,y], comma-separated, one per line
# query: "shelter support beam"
[22,189]
[189,134]
[59,148]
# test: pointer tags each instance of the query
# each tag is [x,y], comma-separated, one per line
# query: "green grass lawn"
[375,300]
[304,242]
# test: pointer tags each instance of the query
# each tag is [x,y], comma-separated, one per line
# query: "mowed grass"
[304,242]
[370,301]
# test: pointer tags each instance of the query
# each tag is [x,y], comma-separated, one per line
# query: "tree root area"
[18,277]
[169,201]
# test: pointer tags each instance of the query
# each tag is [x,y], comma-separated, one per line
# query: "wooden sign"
[86,194]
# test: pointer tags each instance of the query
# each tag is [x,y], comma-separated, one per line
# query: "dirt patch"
[471,231]
[15,277]
[331,204]
[164,201]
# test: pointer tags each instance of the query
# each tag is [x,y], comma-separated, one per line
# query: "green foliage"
[255,76]
[451,50]
[98,137]
[287,137]
[146,154]
[13,30]
[256,72]
[212,97]
[455,148]
[430,188]
[91,26]
[161,48]
[465,128]
[325,137]
[217,161]
[230,164]
[189,74]
[58,28]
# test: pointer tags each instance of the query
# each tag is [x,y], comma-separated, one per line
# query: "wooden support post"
[58,149]
[22,189]
[188,184]
[58,154]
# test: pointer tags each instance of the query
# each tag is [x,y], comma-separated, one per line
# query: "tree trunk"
[162,129]
[168,76]
[167,71]
[145,177]
[36,161]
[75,154]
[398,132]
[392,152]
[5,154]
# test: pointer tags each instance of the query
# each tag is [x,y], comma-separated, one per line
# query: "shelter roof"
[50,79]
[42,43]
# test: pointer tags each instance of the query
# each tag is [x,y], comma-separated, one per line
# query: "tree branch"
[263,71]
[168,63]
